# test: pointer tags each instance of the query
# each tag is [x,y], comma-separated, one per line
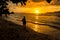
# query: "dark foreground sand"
[12,31]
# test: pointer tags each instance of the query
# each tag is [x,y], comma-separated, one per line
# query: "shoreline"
[7,28]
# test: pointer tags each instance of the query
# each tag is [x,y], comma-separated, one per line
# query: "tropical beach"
[44,24]
[30,20]
[10,30]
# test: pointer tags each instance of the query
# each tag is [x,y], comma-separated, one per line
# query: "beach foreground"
[12,31]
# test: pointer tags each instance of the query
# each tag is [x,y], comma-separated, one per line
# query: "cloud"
[37,0]
[31,5]
[55,2]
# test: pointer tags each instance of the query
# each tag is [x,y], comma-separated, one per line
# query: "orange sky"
[33,6]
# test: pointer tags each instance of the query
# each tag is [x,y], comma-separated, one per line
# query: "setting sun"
[37,11]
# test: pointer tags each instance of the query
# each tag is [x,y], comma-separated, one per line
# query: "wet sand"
[48,25]
[12,31]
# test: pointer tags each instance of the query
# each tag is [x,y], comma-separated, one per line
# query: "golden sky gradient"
[31,6]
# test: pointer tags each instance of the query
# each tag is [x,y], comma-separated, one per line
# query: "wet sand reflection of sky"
[36,22]
[41,28]
[36,25]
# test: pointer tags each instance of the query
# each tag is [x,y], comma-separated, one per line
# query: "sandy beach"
[12,31]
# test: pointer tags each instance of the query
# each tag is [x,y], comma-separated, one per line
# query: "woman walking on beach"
[24,22]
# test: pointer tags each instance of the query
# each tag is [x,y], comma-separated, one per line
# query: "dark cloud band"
[37,0]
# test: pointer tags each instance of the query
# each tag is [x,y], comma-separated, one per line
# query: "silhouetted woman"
[24,22]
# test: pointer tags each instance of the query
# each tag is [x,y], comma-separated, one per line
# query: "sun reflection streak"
[37,17]
[36,28]
[36,21]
